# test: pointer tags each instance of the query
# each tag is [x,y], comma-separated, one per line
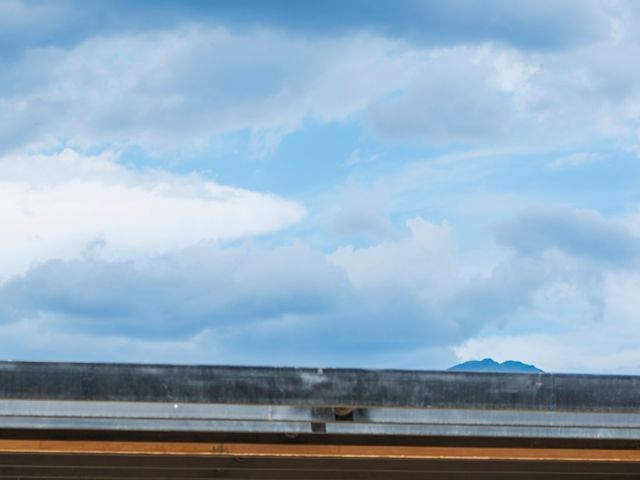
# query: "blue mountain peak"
[490,365]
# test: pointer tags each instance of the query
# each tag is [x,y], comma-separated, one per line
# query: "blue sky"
[366,183]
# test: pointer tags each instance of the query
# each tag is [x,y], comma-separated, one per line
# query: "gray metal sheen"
[317,387]
[294,400]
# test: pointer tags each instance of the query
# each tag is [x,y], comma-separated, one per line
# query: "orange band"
[314,451]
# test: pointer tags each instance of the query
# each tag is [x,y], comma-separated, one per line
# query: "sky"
[375,184]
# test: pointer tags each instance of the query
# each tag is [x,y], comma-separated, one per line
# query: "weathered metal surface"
[145,416]
[101,421]
[318,387]
[51,396]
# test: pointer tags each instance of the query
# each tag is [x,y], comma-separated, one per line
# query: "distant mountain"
[490,365]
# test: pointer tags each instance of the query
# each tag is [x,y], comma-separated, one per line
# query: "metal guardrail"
[224,418]
[297,401]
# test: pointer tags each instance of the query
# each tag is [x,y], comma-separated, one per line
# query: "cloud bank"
[188,84]
[487,206]
[67,204]
[408,297]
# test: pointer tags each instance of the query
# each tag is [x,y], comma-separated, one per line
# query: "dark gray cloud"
[579,233]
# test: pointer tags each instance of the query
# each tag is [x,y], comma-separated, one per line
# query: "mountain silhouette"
[490,365]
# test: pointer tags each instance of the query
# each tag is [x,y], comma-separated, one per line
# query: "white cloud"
[190,86]
[180,89]
[56,206]
[483,94]
[454,98]
[424,259]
